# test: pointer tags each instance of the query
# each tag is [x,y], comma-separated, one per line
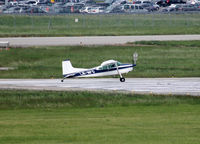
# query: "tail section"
[67,67]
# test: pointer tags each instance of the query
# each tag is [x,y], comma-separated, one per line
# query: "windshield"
[118,63]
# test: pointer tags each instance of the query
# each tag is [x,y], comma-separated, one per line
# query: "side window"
[109,66]
[105,67]
[136,7]
[112,66]
[132,7]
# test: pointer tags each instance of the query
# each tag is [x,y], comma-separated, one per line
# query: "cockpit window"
[109,66]
[104,67]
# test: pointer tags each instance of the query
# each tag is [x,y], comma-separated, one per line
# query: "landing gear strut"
[122,79]
[63,79]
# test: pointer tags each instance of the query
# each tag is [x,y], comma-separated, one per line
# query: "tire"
[61,80]
[122,79]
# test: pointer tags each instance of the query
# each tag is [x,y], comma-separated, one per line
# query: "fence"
[109,24]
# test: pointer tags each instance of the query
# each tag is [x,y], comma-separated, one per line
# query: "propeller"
[135,58]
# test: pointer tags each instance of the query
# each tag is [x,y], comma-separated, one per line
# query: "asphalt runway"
[91,40]
[164,86]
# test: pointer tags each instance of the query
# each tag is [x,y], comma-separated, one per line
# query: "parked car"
[134,8]
[95,10]
[12,10]
[172,8]
[165,3]
[2,3]
[150,6]
[142,2]
[85,9]
[13,3]
[77,7]
[117,9]
[90,3]
[34,10]
[45,3]
[188,7]
[3,8]
[31,2]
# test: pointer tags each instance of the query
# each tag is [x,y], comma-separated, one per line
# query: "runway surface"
[91,40]
[165,86]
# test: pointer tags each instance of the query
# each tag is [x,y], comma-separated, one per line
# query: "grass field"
[30,117]
[122,24]
[156,59]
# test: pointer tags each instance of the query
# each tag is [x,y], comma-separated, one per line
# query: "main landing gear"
[63,79]
[122,79]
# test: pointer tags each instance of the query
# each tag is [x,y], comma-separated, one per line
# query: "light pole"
[6,2]
[135,57]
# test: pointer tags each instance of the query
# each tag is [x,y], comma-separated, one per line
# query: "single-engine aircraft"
[109,67]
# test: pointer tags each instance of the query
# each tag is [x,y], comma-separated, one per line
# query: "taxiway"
[91,40]
[164,86]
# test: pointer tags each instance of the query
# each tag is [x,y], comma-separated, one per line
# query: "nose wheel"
[122,79]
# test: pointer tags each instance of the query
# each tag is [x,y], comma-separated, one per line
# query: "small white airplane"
[107,68]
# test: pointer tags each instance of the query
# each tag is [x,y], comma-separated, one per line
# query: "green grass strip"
[50,99]
[44,117]
[156,59]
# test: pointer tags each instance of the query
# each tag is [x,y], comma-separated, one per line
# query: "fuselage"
[101,71]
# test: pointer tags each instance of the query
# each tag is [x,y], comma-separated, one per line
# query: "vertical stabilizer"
[67,67]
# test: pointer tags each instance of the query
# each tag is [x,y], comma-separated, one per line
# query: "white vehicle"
[13,3]
[97,10]
[28,3]
[133,8]
[192,1]
[32,2]
[85,9]
[107,68]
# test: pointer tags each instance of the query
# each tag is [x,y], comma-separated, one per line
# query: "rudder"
[67,67]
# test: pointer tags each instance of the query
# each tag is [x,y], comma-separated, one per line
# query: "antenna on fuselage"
[135,58]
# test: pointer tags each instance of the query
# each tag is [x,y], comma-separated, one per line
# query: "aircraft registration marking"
[87,72]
